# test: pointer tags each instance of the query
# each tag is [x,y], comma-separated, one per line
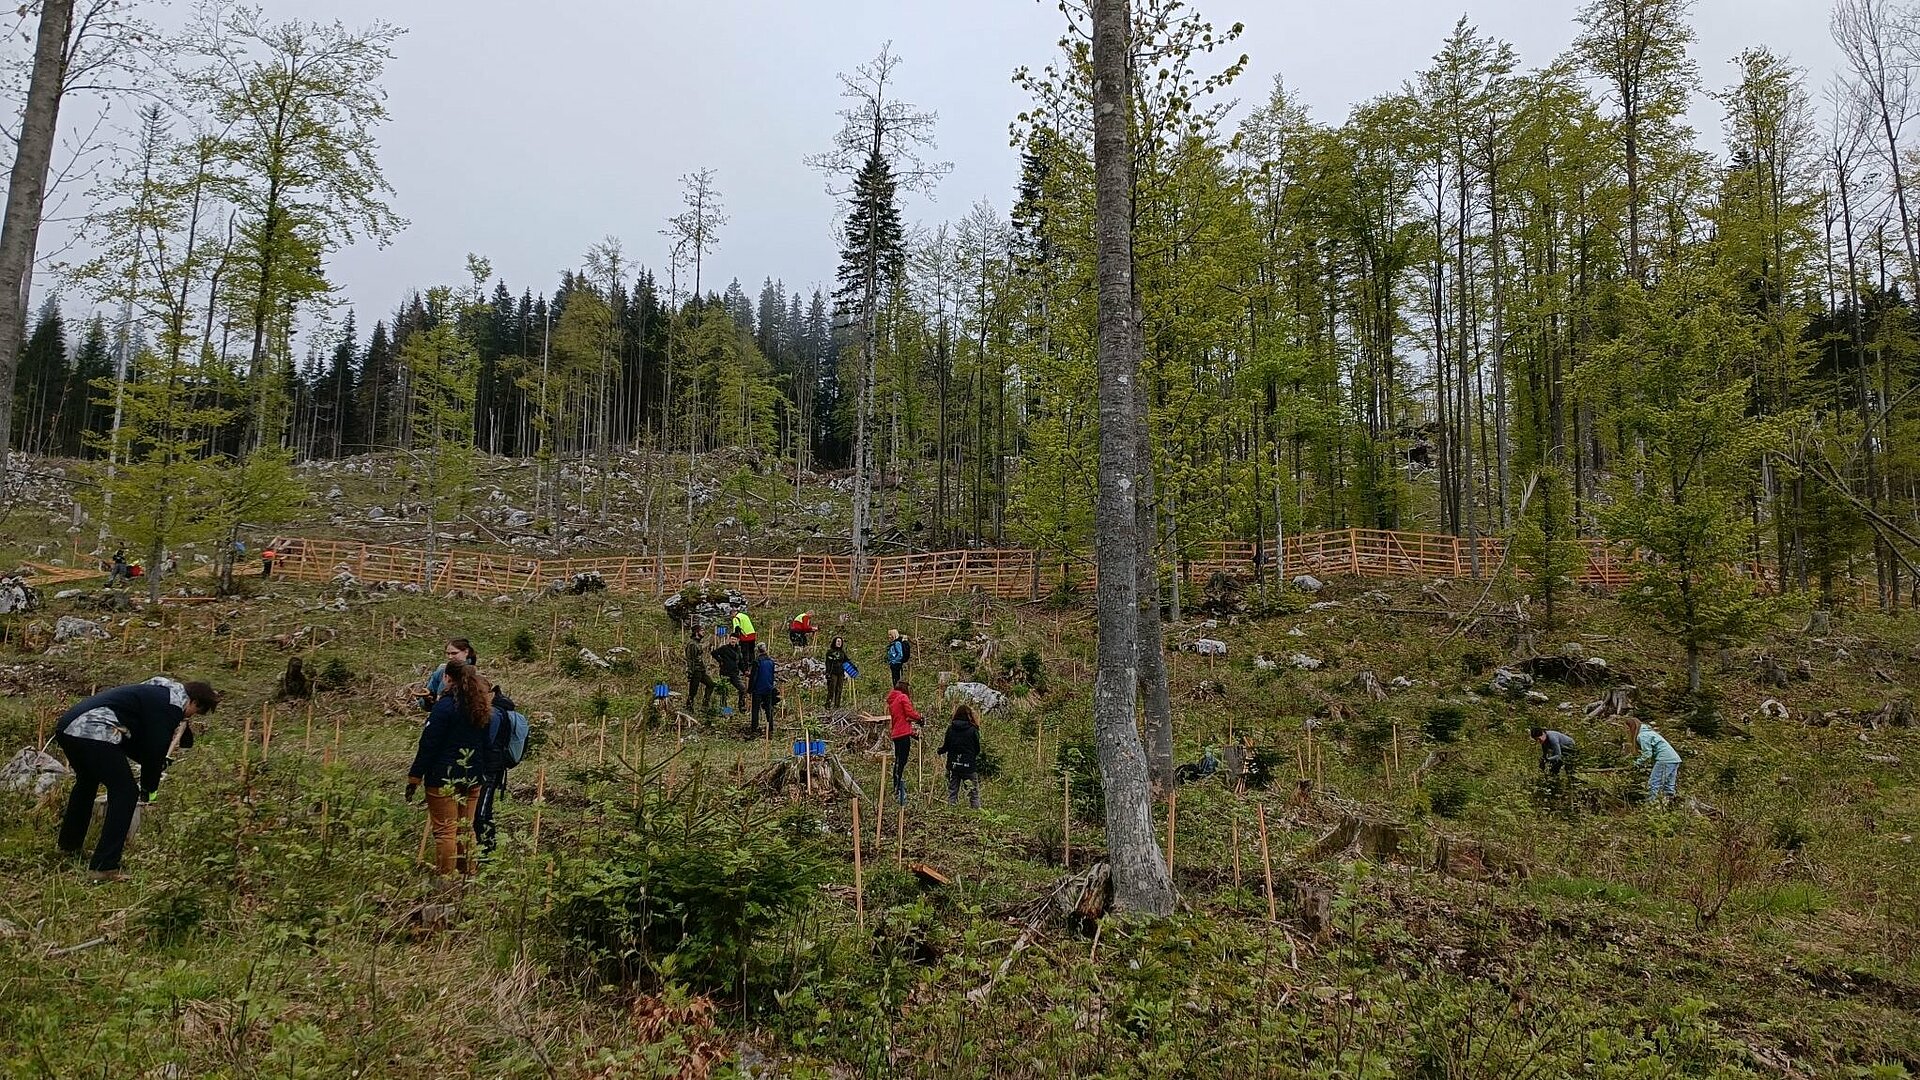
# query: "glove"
[151,798]
[412,786]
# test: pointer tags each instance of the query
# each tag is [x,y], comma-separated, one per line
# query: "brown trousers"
[450,809]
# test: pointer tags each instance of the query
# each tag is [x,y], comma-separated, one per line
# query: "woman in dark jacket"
[962,751]
[102,736]
[451,763]
[836,672]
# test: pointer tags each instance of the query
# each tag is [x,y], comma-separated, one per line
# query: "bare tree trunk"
[1140,879]
[1151,645]
[26,196]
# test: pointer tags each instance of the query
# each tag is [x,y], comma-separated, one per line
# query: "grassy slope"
[273,937]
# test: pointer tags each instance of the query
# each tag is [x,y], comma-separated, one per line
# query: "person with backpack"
[765,692]
[896,655]
[906,725]
[727,654]
[103,737]
[697,677]
[1658,755]
[836,661]
[451,764]
[961,748]
[506,744]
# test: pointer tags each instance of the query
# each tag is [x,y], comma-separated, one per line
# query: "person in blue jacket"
[103,737]
[1661,759]
[451,763]
[765,696]
[457,649]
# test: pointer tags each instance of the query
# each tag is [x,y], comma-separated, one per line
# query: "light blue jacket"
[1655,747]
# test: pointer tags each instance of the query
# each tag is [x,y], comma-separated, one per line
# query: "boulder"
[69,627]
[1209,647]
[32,772]
[1307,663]
[1307,583]
[17,596]
[984,698]
[1509,681]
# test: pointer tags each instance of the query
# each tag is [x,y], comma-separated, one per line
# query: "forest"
[1499,279]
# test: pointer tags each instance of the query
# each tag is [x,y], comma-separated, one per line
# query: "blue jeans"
[1662,779]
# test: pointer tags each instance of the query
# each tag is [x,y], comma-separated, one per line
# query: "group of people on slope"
[749,669]
[1558,755]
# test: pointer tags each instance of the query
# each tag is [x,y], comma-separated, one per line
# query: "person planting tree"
[103,737]
[1658,756]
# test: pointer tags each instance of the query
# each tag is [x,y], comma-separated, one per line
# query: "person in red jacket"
[906,724]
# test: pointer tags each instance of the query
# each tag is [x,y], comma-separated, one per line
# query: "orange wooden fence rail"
[1008,573]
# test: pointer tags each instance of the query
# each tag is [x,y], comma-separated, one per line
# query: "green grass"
[273,925]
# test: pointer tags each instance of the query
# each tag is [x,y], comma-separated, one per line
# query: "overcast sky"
[525,132]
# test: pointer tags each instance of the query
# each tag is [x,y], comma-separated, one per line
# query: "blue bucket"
[852,672]
[819,748]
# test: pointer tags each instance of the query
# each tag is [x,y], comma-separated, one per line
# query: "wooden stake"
[307,745]
[426,834]
[1173,814]
[880,814]
[336,732]
[539,801]
[246,749]
[900,838]
[1236,849]
[1266,861]
[602,757]
[266,730]
[1066,821]
[806,745]
[859,887]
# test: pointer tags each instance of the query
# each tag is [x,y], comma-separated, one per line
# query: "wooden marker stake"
[859,888]
[1066,821]
[1173,814]
[307,745]
[539,800]
[1266,861]
[900,841]
[880,815]
[266,730]
[1236,851]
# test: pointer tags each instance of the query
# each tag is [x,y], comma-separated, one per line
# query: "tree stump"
[1358,837]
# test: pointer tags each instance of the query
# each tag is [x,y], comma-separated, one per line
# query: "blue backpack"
[508,738]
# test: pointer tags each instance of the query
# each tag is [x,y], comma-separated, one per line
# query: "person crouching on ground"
[450,764]
[1556,752]
[906,721]
[102,737]
[1663,761]
[961,748]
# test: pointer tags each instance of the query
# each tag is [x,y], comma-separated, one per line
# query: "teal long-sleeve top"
[1654,747]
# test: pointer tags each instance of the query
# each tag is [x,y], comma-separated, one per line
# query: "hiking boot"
[101,877]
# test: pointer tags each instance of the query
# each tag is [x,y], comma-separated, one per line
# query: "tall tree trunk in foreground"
[1140,881]
[26,194]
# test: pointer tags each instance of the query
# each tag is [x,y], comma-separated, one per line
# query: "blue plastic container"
[819,748]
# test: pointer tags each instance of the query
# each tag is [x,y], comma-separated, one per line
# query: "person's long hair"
[472,692]
[964,714]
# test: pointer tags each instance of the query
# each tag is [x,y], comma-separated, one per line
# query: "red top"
[900,707]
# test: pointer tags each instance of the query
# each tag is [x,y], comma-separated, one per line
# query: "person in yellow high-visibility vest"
[743,630]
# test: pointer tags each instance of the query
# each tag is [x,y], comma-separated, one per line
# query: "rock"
[1307,583]
[68,594]
[68,627]
[334,494]
[1401,682]
[1509,681]
[17,596]
[1296,632]
[375,513]
[32,772]
[518,519]
[1323,605]
[984,697]
[1774,709]
[503,599]
[594,659]
[1536,697]
[1265,663]
[1305,662]
[1209,647]
[1881,759]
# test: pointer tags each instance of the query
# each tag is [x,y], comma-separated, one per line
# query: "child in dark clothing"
[961,748]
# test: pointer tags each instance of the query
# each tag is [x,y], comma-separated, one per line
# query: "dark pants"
[836,686]
[696,680]
[483,829]
[896,669]
[957,777]
[739,684]
[763,703]
[96,763]
[902,749]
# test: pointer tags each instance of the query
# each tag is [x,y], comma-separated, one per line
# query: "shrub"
[1079,759]
[1443,722]
[334,675]
[1447,795]
[520,647]
[686,894]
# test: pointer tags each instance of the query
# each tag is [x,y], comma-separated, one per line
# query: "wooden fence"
[1008,573]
